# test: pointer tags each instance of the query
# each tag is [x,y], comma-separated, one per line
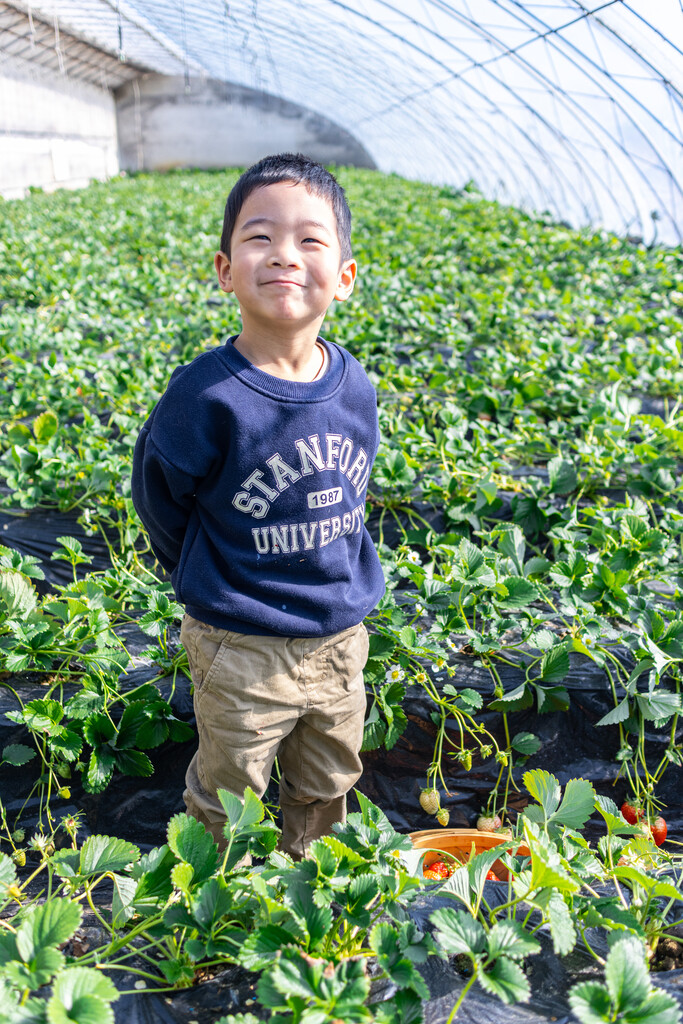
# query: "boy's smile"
[285,262]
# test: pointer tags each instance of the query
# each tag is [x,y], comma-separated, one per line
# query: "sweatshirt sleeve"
[163,496]
[176,449]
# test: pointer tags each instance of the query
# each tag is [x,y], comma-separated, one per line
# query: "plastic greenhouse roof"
[570,106]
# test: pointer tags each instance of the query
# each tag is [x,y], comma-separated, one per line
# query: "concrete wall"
[53,132]
[216,124]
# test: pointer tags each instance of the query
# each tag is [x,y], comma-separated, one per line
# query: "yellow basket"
[461,844]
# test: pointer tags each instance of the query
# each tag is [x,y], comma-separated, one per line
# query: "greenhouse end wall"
[164,122]
[56,133]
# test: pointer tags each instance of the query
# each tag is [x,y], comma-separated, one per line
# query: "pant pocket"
[346,654]
[205,646]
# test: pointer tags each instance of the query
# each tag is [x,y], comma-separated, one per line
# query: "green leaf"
[43,716]
[458,932]
[526,743]
[67,863]
[383,939]
[512,544]
[511,938]
[125,889]
[190,841]
[153,874]
[182,875]
[17,754]
[381,647]
[133,717]
[47,924]
[316,920]
[8,872]
[98,730]
[618,714]
[241,814]
[83,703]
[547,868]
[104,853]
[544,788]
[659,705]
[577,804]
[211,902]
[520,593]
[45,426]
[562,473]
[562,930]
[590,1002]
[100,770]
[516,700]
[408,637]
[81,995]
[659,1008]
[134,762]
[38,971]
[405,1007]
[555,664]
[506,980]
[17,594]
[626,974]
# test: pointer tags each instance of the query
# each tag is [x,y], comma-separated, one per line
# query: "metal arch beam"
[576,110]
[435,117]
[549,198]
[148,27]
[662,162]
[560,96]
[532,143]
[580,113]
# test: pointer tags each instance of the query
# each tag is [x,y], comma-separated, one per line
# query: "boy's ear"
[347,278]
[224,271]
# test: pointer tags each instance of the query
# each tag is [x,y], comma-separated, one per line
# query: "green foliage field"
[526,504]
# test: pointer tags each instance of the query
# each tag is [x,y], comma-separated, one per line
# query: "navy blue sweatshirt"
[252,489]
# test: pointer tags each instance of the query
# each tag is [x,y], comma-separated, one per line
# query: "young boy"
[250,476]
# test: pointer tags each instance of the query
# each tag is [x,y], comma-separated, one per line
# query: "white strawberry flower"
[394,674]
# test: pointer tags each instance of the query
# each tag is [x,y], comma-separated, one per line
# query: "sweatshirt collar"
[294,390]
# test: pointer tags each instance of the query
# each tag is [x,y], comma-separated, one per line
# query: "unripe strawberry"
[429,800]
[64,793]
[18,835]
[443,816]
[19,858]
[488,823]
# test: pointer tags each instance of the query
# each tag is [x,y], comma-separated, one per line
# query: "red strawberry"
[631,812]
[491,876]
[658,829]
[437,871]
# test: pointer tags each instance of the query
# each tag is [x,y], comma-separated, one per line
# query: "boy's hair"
[297,168]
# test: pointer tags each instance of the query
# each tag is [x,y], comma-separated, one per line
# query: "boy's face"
[285,261]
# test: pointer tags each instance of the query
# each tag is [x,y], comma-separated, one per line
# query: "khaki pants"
[258,697]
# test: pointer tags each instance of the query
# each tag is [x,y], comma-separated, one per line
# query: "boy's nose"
[284,255]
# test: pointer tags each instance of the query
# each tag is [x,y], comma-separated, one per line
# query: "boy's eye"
[316,240]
